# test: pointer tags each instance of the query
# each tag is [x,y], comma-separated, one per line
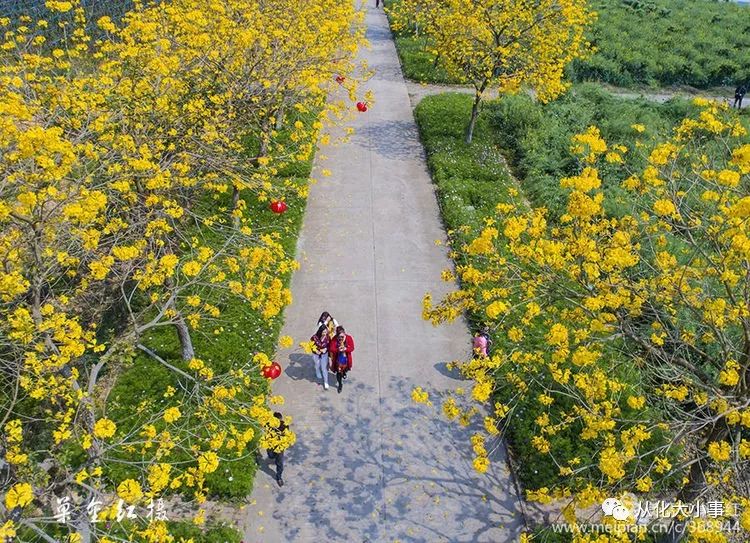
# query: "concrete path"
[417,91]
[369,464]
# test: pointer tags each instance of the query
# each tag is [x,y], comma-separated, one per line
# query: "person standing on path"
[320,354]
[739,94]
[481,343]
[275,451]
[329,322]
[340,349]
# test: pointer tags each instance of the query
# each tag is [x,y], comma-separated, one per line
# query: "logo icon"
[612,507]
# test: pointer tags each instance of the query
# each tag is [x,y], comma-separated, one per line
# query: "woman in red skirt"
[340,349]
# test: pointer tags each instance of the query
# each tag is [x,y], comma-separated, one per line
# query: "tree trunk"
[280,115]
[474,115]
[262,152]
[235,197]
[186,342]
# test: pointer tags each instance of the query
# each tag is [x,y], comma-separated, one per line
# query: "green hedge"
[470,179]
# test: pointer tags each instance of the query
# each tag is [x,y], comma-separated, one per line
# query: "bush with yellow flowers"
[629,334]
[500,44]
[135,169]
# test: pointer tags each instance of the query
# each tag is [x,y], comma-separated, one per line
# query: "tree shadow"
[378,34]
[384,64]
[382,468]
[442,369]
[397,140]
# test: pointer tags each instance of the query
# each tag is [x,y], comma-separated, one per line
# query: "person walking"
[275,453]
[379,3]
[739,94]
[320,343]
[340,349]
[329,322]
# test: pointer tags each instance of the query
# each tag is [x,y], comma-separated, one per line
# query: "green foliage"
[546,535]
[212,533]
[537,138]
[701,43]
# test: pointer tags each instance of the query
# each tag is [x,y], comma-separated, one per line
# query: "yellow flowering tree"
[629,333]
[128,169]
[503,44]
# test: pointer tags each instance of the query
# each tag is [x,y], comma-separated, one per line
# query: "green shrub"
[537,138]
[233,479]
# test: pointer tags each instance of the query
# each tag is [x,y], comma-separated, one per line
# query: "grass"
[212,533]
[700,43]
[470,179]
[417,63]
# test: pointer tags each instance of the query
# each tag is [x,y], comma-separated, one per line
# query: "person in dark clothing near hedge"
[739,94]
[340,349]
[278,456]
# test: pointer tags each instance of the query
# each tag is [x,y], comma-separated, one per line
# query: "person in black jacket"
[739,94]
[278,456]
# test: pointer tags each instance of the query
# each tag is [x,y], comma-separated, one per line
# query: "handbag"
[342,360]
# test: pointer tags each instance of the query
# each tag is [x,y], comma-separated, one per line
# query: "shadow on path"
[354,463]
[301,368]
[395,140]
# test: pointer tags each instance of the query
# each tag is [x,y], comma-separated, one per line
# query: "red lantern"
[362,106]
[272,371]
[340,79]
[278,206]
